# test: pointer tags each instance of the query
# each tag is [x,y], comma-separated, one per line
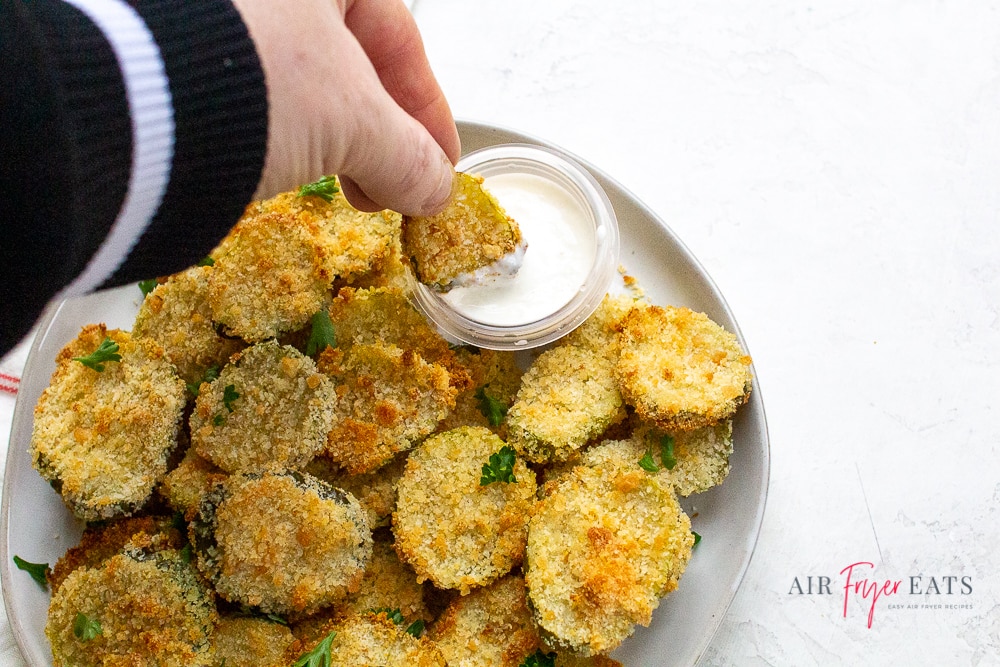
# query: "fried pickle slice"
[176,315]
[567,397]
[471,234]
[275,268]
[281,541]
[452,529]
[604,545]
[679,369]
[139,608]
[103,433]
[387,400]
[369,639]
[269,406]
[253,641]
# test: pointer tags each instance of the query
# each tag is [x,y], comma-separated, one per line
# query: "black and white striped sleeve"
[132,136]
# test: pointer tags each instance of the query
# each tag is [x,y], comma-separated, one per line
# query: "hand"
[351,93]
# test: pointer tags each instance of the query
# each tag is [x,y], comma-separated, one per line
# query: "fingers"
[387,33]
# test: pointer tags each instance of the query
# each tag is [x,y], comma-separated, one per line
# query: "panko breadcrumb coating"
[102,438]
[269,406]
[701,455]
[152,609]
[101,541]
[281,541]
[679,369]
[371,640]
[275,268]
[387,400]
[489,627]
[253,641]
[184,486]
[376,490]
[604,545]
[471,233]
[495,378]
[388,583]
[567,397]
[599,332]
[451,529]
[177,316]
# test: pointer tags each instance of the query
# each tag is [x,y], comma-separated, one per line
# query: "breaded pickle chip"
[387,399]
[102,437]
[471,233]
[101,541]
[567,397]
[184,486]
[490,627]
[281,541]
[679,369]
[270,406]
[253,641]
[599,332]
[376,490]
[388,583]
[495,378]
[701,456]
[604,545]
[142,609]
[372,639]
[275,269]
[177,316]
[450,528]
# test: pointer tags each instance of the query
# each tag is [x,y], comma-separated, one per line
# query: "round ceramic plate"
[35,525]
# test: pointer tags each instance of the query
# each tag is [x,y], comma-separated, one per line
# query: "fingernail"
[442,193]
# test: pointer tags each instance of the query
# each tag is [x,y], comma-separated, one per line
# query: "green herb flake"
[667,452]
[86,629]
[416,628]
[218,420]
[647,463]
[325,188]
[500,468]
[697,539]
[394,615]
[147,286]
[106,351]
[229,394]
[208,261]
[539,659]
[211,373]
[493,409]
[38,571]
[322,335]
[319,656]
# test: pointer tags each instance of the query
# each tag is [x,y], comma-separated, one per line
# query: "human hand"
[350,92]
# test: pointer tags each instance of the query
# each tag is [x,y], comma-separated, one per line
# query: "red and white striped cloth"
[9,383]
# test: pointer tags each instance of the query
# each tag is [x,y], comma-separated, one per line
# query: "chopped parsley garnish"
[500,468]
[319,656]
[38,571]
[208,261]
[211,373]
[274,618]
[667,452]
[148,286]
[218,420]
[322,335]
[697,539]
[325,188]
[493,409]
[396,616]
[669,460]
[539,659]
[106,351]
[85,629]
[229,394]
[416,628]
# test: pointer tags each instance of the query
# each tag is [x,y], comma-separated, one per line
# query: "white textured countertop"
[836,169]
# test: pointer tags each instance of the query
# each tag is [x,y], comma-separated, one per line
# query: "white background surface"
[836,168]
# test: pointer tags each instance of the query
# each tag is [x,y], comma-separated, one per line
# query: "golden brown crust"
[472,232]
[366,640]
[679,369]
[253,641]
[604,545]
[387,399]
[184,486]
[448,527]
[567,397]
[102,438]
[494,375]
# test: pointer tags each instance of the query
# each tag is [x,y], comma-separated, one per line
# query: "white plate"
[35,525]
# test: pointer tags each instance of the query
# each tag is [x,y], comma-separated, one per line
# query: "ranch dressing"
[559,232]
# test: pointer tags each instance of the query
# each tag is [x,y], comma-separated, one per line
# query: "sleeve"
[133,134]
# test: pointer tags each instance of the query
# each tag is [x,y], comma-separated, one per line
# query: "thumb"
[395,163]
